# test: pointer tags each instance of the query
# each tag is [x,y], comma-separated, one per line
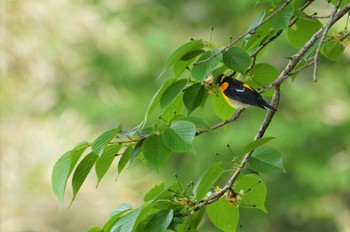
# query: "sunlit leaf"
[95,229]
[251,192]
[221,108]
[201,71]
[263,74]
[236,59]
[223,215]
[207,180]
[257,143]
[302,31]
[151,194]
[103,140]
[265,159]
[179,137]
[181,52]
[127,223]
[119,211]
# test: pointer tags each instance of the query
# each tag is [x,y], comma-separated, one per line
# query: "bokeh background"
[70,70]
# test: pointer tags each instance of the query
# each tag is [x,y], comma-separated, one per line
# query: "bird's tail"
[265,105]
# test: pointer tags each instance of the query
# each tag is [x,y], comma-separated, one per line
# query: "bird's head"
[222,78]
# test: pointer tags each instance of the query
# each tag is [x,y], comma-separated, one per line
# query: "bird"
[239,94]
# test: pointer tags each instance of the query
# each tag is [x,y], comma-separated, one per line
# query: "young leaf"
[101,142]
[160,221]
[302,30]
[179,137]
[64,167]
[221,108]
[193,96]
[223,215]
[257,143]
[105,160]
[207,180]
[172,92]
[236,59]
[265,159]
[124,159]
[181,52]
[155,151]
[201,71]
[281,19]
[251,192]
[81,172]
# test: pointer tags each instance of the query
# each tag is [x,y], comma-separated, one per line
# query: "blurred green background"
[69,70]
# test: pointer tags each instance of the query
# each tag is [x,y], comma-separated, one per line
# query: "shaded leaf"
[281,19]
[81,172]
[265,159]
[124,159]
[136,151]
[198,122]
[223,215]
[207,180]
[127,223]
[193,96]
[155,150]
[332,50]
[263,74]
[172,92]
[302,31]
[160,221]
[105,160]
[182,51]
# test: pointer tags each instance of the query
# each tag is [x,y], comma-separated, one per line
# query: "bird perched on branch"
[239,94]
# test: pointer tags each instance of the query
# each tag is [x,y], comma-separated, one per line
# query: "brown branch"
[251,31]
[324,34]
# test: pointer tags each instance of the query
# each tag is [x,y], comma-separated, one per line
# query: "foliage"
[170,206]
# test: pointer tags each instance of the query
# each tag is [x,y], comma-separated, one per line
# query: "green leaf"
[124,159]
[119,211]
[332,50]
[263,74]
[160,221]
[221,108]
[261,33]
[302,31]
[223,215]
[155,99]
[136,151]
[64,167]
[103,140]
[198,122]
[154,192]
[155,150]
[172,92]
[179,137]
[207,180]
[201,71]
[281,19]
[265,159]
[127,223]
[257,143]
[173,110]
[342,4]
[81,172]
[251,192]
[105,160]
[193,96]
[190,222]
[182,51]
[181,66]
[236,59]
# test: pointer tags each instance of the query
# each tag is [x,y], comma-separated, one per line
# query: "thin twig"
[324,34]
[251,31]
